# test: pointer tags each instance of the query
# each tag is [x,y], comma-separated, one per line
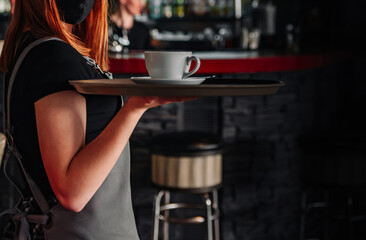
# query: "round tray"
[210,87]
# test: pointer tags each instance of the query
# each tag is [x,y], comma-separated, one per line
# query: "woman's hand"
[144,103]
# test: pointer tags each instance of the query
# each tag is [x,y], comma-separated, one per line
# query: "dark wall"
[322,25]
[260,197]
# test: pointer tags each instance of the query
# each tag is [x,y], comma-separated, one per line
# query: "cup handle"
[198,64]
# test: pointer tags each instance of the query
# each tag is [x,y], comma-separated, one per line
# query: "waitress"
[74,146]
[132,34]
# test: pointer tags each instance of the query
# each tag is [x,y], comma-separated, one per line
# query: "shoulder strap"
[15,71]
[11,148]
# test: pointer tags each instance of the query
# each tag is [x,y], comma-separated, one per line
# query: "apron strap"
[11,149]
[15,71]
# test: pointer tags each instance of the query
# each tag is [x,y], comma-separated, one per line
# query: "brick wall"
[260,197]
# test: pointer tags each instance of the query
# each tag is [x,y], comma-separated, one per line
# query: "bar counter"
[232,62]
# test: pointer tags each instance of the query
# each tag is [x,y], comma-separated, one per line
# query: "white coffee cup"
[170,65]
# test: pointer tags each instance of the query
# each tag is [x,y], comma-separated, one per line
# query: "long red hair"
[41,17]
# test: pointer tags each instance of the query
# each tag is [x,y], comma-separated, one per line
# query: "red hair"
[41,17]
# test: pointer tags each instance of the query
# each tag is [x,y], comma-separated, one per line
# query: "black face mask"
[74,11]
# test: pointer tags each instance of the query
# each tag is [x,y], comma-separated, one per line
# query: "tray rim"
[114,87]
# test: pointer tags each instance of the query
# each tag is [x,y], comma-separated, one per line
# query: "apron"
[107,216]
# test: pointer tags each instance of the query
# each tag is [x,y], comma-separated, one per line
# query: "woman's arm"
[76,171]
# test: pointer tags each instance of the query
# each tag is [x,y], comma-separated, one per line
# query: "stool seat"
[189,163]
[186,160]
[187,172]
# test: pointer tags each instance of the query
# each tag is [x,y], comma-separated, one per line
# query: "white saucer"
[187,81]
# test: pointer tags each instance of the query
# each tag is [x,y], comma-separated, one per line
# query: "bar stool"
[188,163]
[335,168]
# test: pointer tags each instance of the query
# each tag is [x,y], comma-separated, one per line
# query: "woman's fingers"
[154,101]
[166,100]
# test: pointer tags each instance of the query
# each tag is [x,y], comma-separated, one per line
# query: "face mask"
[74,11]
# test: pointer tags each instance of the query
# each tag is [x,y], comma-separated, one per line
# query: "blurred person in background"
[123,27]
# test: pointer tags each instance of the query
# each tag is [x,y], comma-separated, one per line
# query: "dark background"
[278,145]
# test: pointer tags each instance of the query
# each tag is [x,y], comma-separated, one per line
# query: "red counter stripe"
[245,65]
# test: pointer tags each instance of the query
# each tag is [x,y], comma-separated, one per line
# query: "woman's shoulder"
[50,65]
[55,51]
[58,60]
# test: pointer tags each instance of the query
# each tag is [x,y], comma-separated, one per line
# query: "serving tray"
[210,87]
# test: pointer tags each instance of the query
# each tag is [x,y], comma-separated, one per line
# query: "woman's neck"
[122,18]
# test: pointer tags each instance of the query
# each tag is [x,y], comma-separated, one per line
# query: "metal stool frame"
[212,214]
[350,217]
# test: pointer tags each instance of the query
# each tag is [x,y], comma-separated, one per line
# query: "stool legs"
[305,209]
[209,216]
[156,214]
[166,214]
[213,231]
[209,204]
[215,206]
